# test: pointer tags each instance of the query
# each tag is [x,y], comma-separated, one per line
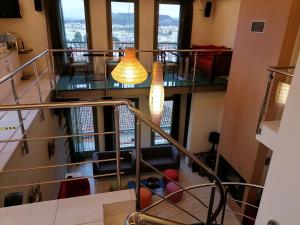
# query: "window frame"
[87,16]
[156,19]
[109,22]
[173,122]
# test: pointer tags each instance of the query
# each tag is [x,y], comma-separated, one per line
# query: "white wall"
[225,21]
[280,200]
[205,116]
[38,156]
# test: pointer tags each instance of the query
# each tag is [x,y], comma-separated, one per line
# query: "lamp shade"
[157,93]
[129,70]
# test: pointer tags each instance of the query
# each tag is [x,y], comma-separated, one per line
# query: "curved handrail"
[201,186]
[209,173]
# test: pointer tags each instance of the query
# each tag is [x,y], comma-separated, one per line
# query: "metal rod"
[138,162]
[224,207]
[117,146]
[166,198]
[14,72]
[264,104]
[42,114]
[105,74]
[138,218]
[25,149]
[181,187]
[194,72]
[55,137]
[53,68]
[49,70]
[58,165]
[55,181]
[280,70]
[209,219]
[244,203]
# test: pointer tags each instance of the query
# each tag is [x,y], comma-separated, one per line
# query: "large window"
[82,121]
[75,26]
[167,27]
[123,24]
[165,124]
[127,127]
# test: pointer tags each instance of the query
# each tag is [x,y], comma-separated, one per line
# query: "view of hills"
[124,18]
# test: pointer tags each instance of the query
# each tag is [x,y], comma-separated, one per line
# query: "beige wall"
[205,117]
[225,22]
[280,199]
[38,156]
[253,52]
[31,28]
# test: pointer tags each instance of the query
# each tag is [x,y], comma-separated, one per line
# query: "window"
[123,23]
[127,127]
[75,26]
[167,27]
[81,121]
[165,124]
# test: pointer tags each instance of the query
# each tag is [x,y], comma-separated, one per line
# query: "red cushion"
[145,197]
[170,188]
[74,188]
[172,174]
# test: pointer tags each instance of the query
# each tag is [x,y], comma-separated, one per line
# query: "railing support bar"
[194,71]
[42,115]
[211,205]
[138,162]
[49,66]
[264,104]
[20,119]
[117,146]
[224,207]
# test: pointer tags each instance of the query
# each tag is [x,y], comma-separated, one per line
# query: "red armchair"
[74,188]
[213,64]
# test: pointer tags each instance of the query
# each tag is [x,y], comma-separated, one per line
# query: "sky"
[73,9]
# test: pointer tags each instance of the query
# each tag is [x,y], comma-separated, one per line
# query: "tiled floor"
[164,209]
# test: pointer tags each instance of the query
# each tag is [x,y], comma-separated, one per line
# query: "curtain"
[56,33]
[186,22]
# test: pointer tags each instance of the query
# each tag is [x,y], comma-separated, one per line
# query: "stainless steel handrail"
[143,119]
[138,218]
[279,70]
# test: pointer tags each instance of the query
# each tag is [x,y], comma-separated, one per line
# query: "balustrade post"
[117,146]
[194,71]
[42,115]
[211,205]
[24,147]
[138,162]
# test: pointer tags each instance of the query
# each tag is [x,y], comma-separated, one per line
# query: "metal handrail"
[279,70]
[137,218]
[209,173]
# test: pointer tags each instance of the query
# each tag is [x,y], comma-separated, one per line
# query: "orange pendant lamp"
[129,70]
[157,93]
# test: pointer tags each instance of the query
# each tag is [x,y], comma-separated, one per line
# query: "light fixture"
[157,93]
[129,70]
[282,93]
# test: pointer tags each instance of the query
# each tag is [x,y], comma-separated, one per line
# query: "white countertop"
[87,209]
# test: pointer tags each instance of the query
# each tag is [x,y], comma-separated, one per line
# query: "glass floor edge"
[91,81]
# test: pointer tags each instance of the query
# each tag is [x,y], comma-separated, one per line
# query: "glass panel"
[168,27]
[74,26]
[83,123]
[127,127]
[122,14]
[166,123]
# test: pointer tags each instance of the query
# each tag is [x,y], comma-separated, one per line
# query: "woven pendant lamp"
[129,70]
[157,93]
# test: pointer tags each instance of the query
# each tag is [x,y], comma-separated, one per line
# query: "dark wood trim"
[109,22]
[88,23]
[187,118]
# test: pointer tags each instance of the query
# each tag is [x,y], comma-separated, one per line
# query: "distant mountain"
[125,18]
